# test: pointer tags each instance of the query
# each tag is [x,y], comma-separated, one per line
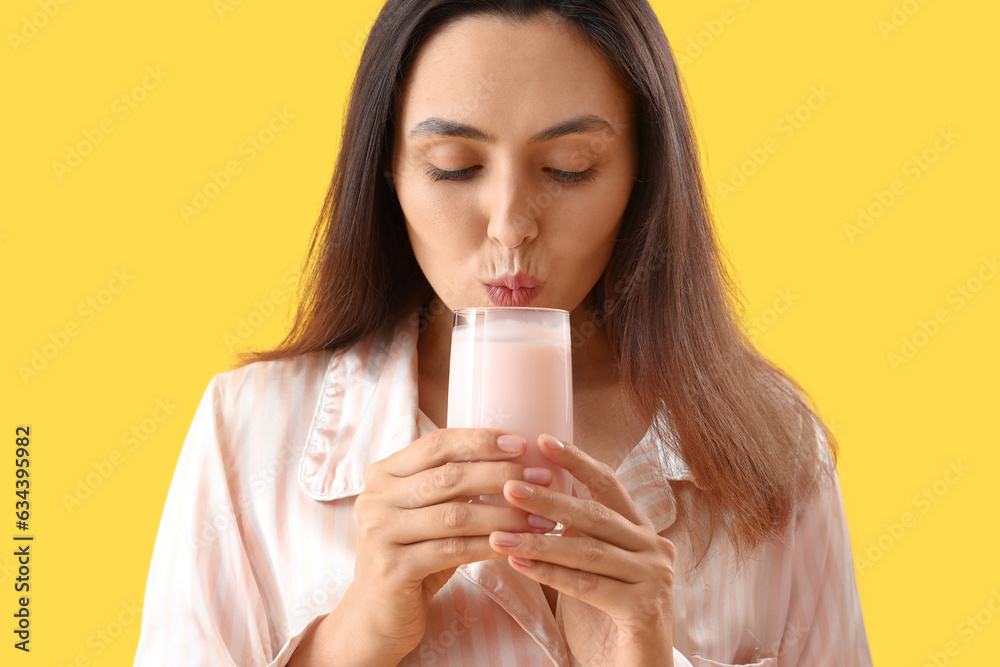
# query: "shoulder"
[264,401]
[263,379]
[816,448]
[291,378]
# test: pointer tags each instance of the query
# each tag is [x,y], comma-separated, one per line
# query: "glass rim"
[475,309]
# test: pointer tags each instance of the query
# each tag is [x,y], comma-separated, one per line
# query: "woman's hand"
[614,571]
[416,526]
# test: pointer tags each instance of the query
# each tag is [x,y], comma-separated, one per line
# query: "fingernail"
[537,475]
[523,562]
[507,539]
[541,522]
[510,443]
[519,490]
[553,443]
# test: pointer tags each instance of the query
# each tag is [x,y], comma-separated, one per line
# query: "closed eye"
[559,175]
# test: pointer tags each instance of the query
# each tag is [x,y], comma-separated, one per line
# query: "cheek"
[436,222]
[592,225]
[443,241]
[595,217]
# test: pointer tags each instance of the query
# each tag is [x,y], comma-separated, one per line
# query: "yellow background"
[162,335]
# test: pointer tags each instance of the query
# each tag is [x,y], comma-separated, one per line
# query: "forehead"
[512,76]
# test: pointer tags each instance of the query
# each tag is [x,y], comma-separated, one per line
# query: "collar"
[368,409]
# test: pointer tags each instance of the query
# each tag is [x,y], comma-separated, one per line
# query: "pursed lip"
[511,298]
[515,280]
[513,290]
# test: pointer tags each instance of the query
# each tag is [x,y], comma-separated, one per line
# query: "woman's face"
[514,154]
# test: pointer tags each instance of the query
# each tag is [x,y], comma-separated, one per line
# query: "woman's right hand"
[416,526]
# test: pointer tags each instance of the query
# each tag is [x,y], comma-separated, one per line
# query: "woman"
[542,152]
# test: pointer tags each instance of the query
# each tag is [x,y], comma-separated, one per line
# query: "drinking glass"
[511,368]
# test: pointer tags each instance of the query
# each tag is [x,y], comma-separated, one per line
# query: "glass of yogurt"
[511,368]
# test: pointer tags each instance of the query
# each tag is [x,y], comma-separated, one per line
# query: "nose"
[512,222]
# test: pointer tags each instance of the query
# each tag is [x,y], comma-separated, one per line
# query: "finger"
[644,600]
[636,608]
[457,519]
[453,481]
[596,475]
[585,554]
[584,515]
[453,444]
[608,594]
[422,559]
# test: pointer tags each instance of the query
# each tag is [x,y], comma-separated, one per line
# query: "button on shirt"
[258,537]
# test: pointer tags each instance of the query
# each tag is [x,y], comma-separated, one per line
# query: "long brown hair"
[743,427]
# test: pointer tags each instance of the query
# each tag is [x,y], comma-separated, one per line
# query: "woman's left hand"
[615,573]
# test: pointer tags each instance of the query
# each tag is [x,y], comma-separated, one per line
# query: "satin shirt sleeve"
[796,605]
[202,604]
[825,625]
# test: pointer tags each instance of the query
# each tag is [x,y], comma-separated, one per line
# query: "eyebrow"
[443,127]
